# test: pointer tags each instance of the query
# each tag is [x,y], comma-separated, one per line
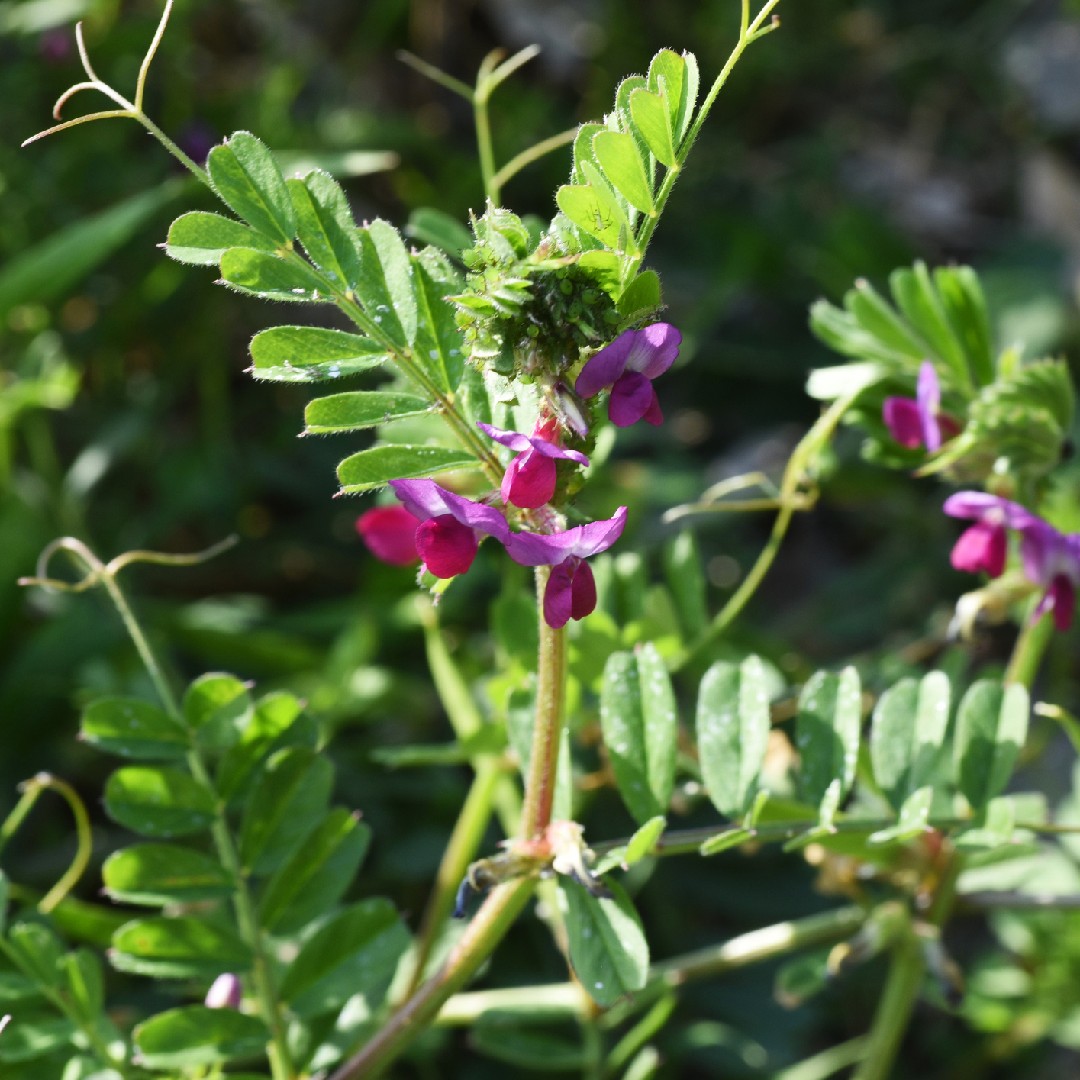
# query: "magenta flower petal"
[654,349]
[601,370]
[1060,598]
[446,546]
[582,592]
[524,443]
[559,595]
[550,549]
[632,397]
[570,592]
[981,549]
[928,401]
[225,992]
[979,506]
[901,416]
[390,534]
[529,481]
[426,499]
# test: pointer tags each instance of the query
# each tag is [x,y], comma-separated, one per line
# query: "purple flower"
[451,526]
[628,365]
[1051,559]
[529,482]
[571,588]
[390,534]
[917,421]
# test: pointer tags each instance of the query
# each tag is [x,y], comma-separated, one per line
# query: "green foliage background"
[862,136]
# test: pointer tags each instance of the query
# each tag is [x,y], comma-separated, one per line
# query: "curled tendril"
[97,571]
[128,109]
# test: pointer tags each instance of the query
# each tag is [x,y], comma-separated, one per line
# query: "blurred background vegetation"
[859,137]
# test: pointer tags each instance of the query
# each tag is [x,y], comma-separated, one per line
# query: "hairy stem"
[547,729]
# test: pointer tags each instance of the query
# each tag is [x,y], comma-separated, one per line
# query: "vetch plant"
[503,359]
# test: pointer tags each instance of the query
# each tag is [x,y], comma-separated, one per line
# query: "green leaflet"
[270,277]
[355,952]
[827,734]
[317,876]
[921,305]
[991,725]
[607,943]
[652,121]
[359,410]
[246,177]
[384,286]
[640,725]
[617,154]
[177,947]
[376,467]
[675,79]
[133,728]
[325,227]
[158,801]
[312,354]
[438,349]
[732,732]
[163,874]
[906,735]
[288,801]
[217,708]
[197,1036]
[200,238]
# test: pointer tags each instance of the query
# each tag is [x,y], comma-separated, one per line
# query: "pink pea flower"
[917,421]
[390,534]
[451,526]
[529,482]
[1051,559]
[571,588]
[627,366]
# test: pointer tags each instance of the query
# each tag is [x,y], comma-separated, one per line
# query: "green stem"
[906,972]
[534,153]
[487,929]
[795,474]
[482,122]
[547,727]
[755,947]
[748,33]
[1031,643]
[280,1058]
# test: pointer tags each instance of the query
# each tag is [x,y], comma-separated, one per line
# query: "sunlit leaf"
[618,156]
[991,725]
[177,947]
[270,277]
[311,354]
[607,943]
[200,238]
[358,410]
[732,732]
[133,728]
[376,467]
[163,874]
[243,172]
[356,952]
[196,1035]
[827,732]
[158,802]
[640,725]
[907,733]
[317,876]
[288,800]
[326,228]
